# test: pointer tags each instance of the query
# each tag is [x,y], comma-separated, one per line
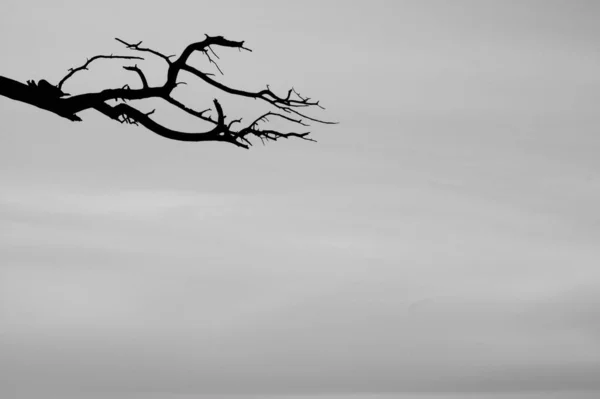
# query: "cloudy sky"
[443,237]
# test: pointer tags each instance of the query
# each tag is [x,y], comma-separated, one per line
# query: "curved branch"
[286,104]
[72,71]
[137,47]
[132,115]
[264,117]
[140,74]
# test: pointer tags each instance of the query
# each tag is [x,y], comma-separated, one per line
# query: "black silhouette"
[47,89]
[51,98]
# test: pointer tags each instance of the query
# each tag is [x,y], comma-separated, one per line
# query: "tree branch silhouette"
[290,108]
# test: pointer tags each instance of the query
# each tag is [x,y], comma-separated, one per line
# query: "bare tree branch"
[140,73]
[289,108]
[137,47]
[72,71]
[190,111]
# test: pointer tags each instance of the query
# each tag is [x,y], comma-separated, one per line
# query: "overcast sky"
[443,237]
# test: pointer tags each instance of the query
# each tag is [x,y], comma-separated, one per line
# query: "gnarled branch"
[289,108]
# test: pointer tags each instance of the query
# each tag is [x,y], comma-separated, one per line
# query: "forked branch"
[290,107]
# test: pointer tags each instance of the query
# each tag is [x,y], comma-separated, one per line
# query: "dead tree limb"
[290,107]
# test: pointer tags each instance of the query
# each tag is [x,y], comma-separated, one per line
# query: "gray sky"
[443,237]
